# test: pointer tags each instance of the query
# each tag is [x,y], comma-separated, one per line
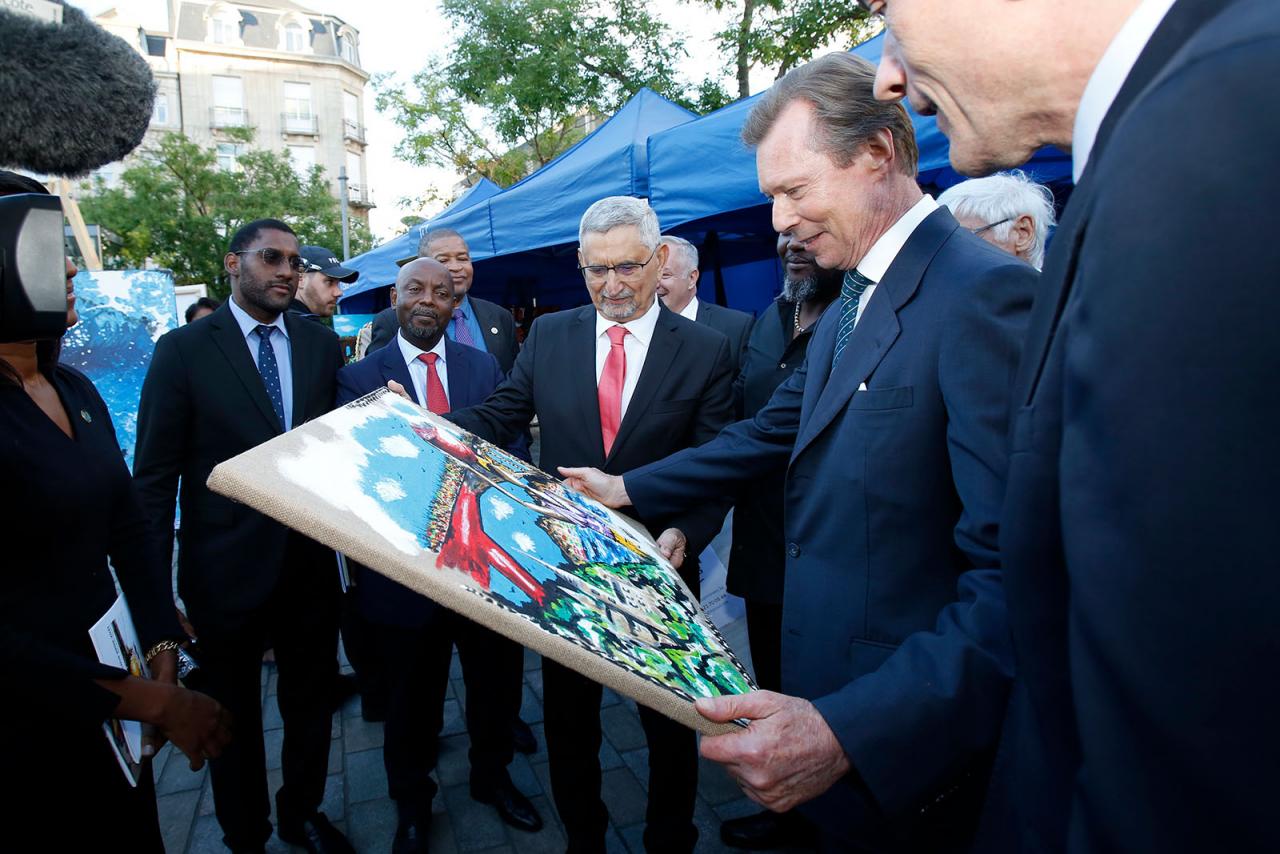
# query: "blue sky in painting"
[404,491]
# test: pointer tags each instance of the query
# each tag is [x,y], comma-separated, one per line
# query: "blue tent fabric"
[377,267]
[544,209]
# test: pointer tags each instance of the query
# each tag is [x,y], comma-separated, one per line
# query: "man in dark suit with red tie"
[617,384]
[413,637]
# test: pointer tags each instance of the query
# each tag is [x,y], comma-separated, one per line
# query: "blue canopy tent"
[523,240]
[377,267]
[704,188]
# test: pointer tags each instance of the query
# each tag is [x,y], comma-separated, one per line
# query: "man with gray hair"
[1008,210]
[678,289]
[891,438]
[615,385]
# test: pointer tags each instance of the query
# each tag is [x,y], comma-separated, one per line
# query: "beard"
[822,286]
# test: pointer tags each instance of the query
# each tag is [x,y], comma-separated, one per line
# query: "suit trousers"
[415,663]
[300,618]
[572,712]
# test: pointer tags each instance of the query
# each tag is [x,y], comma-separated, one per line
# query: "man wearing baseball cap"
[321,284]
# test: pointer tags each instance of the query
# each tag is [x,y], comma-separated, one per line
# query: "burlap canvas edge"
[240,480]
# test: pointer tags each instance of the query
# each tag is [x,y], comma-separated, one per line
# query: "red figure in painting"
[466,546]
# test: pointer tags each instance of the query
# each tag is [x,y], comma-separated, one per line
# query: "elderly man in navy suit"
[678,289]
[413,636]
[895,653]
[1139,537]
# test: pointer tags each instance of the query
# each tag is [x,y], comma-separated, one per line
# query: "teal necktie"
[851,290]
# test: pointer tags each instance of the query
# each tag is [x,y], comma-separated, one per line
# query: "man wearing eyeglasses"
[616,384]
[249,372]
[1008,210]
[1139,538]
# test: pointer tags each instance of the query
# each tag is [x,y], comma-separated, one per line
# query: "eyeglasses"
[990,225]
[273,257]
[875,8]
[625,270]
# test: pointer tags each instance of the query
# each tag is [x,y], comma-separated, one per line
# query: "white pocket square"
[862,386]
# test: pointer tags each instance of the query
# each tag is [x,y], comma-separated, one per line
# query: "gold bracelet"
[162,646]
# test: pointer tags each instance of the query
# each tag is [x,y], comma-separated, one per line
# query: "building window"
[298,117]
[160,110]
[347,46]
[228,156]
[295,38]
[303,158]
[351,128]
[228,102]
[224,25]
[155,45]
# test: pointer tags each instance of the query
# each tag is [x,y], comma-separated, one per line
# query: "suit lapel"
[582,376]
[299,365]
[394,368]
[662,351]
[457,362]
[877,328]
[228,338]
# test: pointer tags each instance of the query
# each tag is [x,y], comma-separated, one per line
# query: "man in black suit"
[215,388]
[477,323]
[413,636]
[891,436]
[678,289]
[1139,537]
[617,384]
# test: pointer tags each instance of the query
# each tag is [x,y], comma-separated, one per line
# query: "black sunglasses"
[273,257]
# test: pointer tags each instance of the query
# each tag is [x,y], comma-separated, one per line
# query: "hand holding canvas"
[608,489]
[786,755]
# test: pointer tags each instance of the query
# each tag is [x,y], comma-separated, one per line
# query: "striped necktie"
[851,290]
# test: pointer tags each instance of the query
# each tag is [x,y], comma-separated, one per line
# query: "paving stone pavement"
[356,793]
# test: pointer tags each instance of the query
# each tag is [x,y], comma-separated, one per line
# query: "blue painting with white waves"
[122,315]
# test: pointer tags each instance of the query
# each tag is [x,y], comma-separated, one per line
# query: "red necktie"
[610,388]
[437,400]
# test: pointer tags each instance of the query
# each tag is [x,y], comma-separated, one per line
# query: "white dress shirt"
[418,368]
[279,345]
[881,254]
[635,345]
[690,311]
[1109,76]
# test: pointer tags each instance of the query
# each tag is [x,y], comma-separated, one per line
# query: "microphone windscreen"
[73,97]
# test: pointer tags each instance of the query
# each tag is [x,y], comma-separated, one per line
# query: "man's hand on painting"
[399,389]
[673,546]
[608,489]
[787,754]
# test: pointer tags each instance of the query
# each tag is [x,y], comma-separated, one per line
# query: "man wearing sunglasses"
[1139,537]
[247,373]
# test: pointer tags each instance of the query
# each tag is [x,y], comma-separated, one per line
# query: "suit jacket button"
[493,330]
[782,365]
[793,549]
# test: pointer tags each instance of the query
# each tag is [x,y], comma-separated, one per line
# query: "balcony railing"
[352,131]
[359,196]
[301,124]
[228,117]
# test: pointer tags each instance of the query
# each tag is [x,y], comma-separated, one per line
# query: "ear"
[1023,232]
[231,263]
[879,150]
[694,275]
[393,297]
[664,252]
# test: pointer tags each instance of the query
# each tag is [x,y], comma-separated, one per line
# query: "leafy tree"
[781,35]
[522,76]
[175,208]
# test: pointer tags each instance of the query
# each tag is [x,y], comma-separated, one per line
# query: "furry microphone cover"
[74,96]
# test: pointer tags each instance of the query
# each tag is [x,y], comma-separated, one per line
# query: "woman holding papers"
[70,516]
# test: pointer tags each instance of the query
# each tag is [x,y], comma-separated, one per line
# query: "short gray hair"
[1005,195]
[617,211]
[686,250]
[429,237]
[841,89]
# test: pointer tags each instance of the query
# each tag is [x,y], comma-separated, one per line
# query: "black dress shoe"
[412,831]
[317,835]
[513,807]
[766,831]
[522,738]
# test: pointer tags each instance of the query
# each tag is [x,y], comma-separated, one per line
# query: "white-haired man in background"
[1008,210]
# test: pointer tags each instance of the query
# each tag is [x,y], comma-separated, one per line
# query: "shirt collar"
[642,327]
[690,311]
[248,324]
[1109,75]
[877,260]
[411,351]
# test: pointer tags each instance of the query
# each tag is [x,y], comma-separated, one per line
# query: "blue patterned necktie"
[851,290]
[461,332]
[270,370]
